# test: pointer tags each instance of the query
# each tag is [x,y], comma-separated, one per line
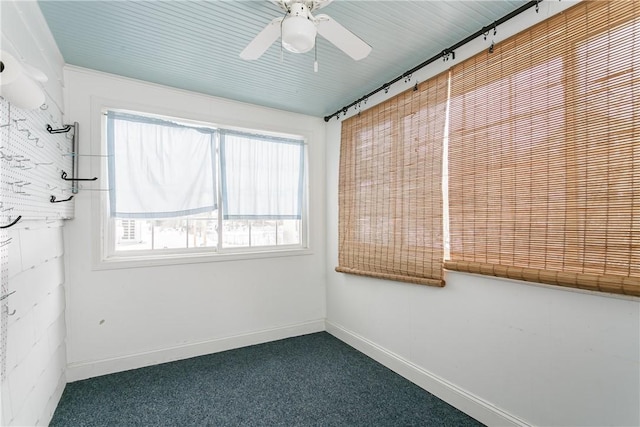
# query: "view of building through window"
[201,231]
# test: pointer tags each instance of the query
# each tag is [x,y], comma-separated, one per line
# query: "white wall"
[125,318]
[34,354]
[505,352]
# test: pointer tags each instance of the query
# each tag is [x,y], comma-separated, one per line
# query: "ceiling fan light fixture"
[298,29]
[298,34]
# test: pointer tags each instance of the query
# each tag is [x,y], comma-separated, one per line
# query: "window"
[183,188]
[544,153]
[390,193]
[543,160]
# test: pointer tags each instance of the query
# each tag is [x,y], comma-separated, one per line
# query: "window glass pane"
[170,234]
[260,233]
[262,177]
[542,186]
[151,162]
[203,233]
[235,233]
[289,232]
[132,235]
[263,233]
[390,194]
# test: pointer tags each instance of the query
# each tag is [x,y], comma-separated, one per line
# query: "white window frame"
[104,255]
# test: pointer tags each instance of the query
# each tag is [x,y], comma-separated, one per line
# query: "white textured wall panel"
[20,340]
[34,243]
[14,259]
[35,351]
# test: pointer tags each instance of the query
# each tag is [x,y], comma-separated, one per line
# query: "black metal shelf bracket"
[64,129]
[53,199]
[64,176]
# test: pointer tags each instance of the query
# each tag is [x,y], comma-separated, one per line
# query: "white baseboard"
[461,399]
[82,370]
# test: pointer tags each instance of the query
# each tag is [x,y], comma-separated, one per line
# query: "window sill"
[132,261]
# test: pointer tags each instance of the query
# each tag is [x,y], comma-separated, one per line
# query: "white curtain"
[262,177]
[159,169]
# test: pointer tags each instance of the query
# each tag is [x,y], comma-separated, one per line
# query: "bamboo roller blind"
[390,194]
[544,157]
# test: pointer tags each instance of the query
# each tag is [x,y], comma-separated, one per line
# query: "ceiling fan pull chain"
[315,61]
[282,42]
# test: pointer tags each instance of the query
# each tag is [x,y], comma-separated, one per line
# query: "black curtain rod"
[444,53]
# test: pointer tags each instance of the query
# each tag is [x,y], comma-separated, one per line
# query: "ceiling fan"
[298,30]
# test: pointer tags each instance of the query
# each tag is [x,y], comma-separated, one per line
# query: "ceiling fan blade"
[342,38]
[262,41]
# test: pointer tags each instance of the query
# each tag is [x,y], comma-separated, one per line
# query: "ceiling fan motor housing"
[298,31]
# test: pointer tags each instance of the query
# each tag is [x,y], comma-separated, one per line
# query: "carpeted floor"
[312,380]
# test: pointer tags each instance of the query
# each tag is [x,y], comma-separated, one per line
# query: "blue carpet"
[312,380]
